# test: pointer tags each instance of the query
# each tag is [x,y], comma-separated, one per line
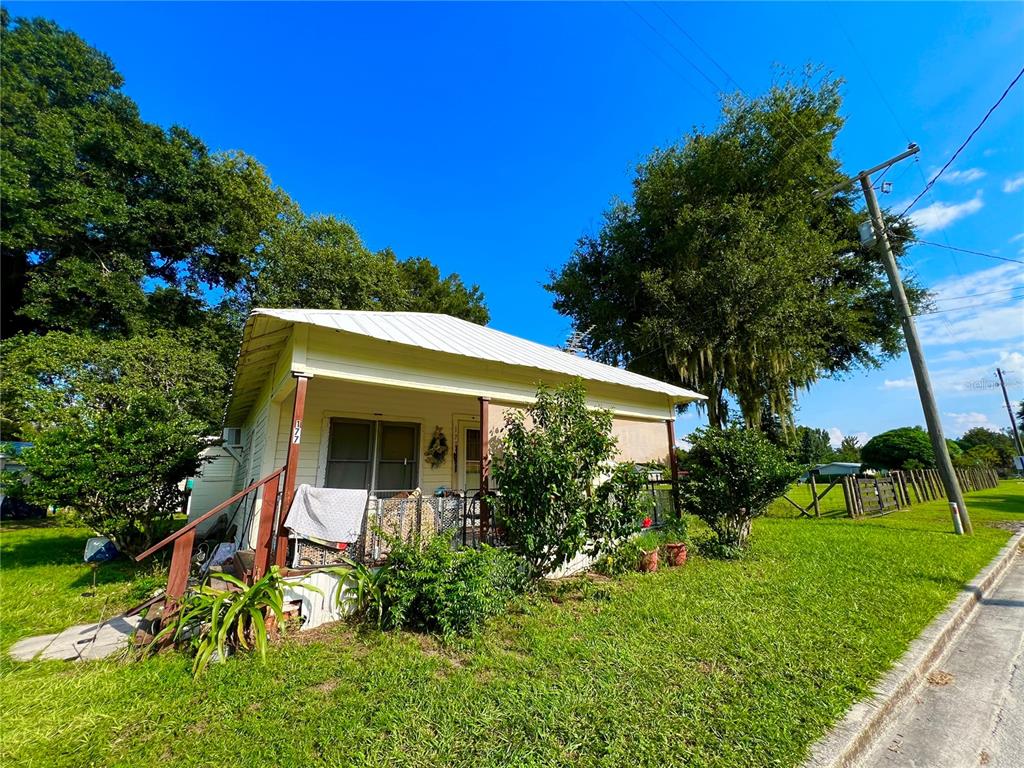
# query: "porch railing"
[184,539]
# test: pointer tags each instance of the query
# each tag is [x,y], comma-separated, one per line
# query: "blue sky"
[490,137]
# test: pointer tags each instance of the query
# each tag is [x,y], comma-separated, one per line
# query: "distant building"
[837,468]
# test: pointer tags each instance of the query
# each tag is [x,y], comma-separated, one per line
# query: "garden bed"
[712,664]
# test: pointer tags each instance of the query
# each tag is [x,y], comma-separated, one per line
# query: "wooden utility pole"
[1009,412]
[924,384]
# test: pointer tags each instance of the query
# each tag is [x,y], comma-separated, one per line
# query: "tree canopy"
[130,255]
[1000,447]
[116,226]
[728,273]
[903,448]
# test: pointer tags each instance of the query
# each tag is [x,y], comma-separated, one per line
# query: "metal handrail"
[190,526]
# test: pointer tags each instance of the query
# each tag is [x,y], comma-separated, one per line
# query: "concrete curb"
[853,736]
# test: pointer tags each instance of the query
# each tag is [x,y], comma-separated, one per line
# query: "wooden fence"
[878,495]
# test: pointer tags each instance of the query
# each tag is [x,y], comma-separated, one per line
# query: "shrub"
[621,559]
[431,587]
[618,509]
[734,474]
[115,426]
[551,501]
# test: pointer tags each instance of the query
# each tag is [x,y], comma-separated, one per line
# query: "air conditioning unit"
[232,436]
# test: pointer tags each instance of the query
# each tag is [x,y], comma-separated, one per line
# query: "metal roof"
[450,335]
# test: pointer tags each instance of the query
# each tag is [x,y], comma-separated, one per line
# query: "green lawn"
[715,664]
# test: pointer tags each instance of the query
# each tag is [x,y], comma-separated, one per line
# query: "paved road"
[971,710]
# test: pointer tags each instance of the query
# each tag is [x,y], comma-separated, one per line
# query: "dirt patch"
[939,678]
[326,687]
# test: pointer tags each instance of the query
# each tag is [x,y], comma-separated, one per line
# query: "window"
[372,455]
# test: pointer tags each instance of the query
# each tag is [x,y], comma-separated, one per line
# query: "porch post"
[673,463]
[485,466]
[291,466]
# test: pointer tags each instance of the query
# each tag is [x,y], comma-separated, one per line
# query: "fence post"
[814,495]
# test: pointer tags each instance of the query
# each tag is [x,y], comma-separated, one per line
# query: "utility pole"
[1009,412]
[924,384]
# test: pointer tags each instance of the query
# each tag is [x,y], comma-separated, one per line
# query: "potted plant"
[649,560]
[675,541]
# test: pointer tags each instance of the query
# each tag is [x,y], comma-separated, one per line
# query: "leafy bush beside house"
[733,475]
[431,587]
[553,502]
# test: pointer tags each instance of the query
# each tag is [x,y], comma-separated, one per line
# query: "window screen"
[350,454]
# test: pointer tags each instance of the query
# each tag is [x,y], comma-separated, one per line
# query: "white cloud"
[1012,185]
[898,383]
[1017,237]
[984,324]
[940,215]
[962,422]
[979,306]
[966,176]
[835,437]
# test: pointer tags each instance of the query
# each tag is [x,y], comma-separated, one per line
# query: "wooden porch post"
[265,530]
[485,466]
[291,467]
[673,464]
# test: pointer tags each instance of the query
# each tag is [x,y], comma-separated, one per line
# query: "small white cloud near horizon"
[939,215]
[964,421]
[1012,185]
[835,437]
[966,176]
[898,383]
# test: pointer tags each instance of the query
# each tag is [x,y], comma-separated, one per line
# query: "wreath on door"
[438,448]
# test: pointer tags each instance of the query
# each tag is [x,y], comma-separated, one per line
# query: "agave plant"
[365,595]
[214,619]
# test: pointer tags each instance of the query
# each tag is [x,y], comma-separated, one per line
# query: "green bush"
[116,426]
[618,509]
[433,588]
[551,500]
[733,475]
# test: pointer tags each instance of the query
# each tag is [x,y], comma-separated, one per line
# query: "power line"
[954,248]
[967,141]
[678,26]
[985,293]
[961,308]
[672,45]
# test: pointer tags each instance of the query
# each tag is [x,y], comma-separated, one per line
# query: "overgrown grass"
[714,664]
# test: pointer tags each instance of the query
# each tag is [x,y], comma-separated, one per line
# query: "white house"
[364,401]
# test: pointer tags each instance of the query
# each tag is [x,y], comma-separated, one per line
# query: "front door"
[469,461]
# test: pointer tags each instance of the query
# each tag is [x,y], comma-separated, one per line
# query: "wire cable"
[954,248]
[967,141]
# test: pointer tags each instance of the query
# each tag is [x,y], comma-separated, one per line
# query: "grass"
[714,664]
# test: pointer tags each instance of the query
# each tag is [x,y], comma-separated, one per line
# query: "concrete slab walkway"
[83,642]
[970,710]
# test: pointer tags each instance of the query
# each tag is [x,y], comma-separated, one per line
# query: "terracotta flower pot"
[676,553]
[649,561]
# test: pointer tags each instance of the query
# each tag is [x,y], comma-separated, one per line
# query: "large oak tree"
[728,273]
